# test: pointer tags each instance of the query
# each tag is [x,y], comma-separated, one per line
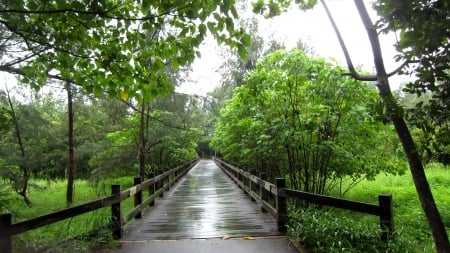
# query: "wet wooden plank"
[204,204]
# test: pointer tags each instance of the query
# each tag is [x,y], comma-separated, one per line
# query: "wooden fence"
[155,185]
[251,183]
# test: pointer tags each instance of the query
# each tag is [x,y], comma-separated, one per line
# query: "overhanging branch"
[352,71]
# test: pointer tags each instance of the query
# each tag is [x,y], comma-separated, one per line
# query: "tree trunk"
[142,143]
[24,164]
[415,164]
[71,156]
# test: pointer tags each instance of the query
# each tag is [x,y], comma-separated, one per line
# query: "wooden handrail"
[7,229]
[384,209]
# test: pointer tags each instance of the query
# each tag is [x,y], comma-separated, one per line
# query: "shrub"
[325,230]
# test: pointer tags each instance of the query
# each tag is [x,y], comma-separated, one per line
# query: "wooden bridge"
[205,212]
[204,204]
[200,200]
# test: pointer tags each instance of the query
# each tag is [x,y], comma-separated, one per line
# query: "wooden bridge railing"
[249,183]
[156,186]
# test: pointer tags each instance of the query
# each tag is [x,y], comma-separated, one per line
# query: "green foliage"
[330,231]
[84,233]
[411,227]
[302,115]
[423,28]
[171,137]
[321,230]
[43,127]
[118,47]
[271,8]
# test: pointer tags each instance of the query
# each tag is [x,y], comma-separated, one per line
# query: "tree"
[170,134]
[424,38]
[117,47]
[107,45]
[21,182]
[395,112]
[304,114]
[70,145]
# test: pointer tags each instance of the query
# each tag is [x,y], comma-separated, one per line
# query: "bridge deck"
[204,204]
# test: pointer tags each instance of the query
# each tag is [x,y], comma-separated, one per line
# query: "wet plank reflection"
[204,204]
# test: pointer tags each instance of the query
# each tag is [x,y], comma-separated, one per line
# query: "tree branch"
[102,14]
[352,71]
[153,118]
[348,59]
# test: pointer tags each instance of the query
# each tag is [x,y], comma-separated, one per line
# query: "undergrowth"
[83,233]
[333,230]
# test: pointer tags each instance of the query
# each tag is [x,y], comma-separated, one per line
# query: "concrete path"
[205,212]
[272,244]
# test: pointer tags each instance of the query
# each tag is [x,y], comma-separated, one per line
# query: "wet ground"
[204,204]
[205,212]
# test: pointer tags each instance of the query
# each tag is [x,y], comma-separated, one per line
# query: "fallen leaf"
[226,237]
[249,238]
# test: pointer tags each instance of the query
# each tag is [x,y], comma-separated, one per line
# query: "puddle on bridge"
[204,204]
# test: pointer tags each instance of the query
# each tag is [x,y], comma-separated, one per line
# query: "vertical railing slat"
[282,214]
[116,212]
[5,235]
[138,197]
[386,215]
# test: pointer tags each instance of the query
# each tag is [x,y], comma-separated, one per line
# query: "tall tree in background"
[21,181]
[394,111]
[70,144]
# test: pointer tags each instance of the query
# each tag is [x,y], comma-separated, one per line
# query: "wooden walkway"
[204,204]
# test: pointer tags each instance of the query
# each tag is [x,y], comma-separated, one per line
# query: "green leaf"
[61,4]
[242,51]
[230,24]
[246,39]
[175,63]
[202,28]
[157,64]
[212,27]
[146,5]
[98,91]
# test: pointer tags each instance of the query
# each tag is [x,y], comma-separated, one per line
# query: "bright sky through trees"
[312,27]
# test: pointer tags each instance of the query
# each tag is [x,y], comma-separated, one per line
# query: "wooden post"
[138,197]
[171,177]
[161,183]
[281,206]
[250,187]
[168,178]
[116,211]
[263,192]
[151,188]
[176,173]
[241,182]
[5,235]
[386,216]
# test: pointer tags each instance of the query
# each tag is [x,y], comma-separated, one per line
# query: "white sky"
[313,28]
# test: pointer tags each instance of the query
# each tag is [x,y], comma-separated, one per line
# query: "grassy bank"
[70,235]
[412,231]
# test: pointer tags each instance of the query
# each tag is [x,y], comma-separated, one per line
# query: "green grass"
[70,235]
[412,231]
[338,227]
